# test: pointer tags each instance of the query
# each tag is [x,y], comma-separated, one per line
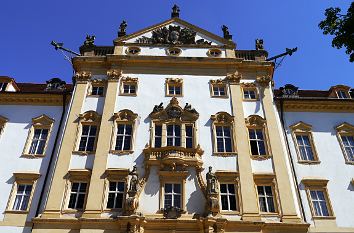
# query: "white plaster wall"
[252,108]
[198,36]
[12,142]
[262,166]
[332,166]
[15,229]
[186,52]
[150,196]
[81,161]
[93,103]
[194,199]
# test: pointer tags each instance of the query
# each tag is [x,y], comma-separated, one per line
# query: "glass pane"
[83,187]
[127,142]
[82,145]
[262,149]
[28,188]
[313,195]
[303,153]
[72,201]
[178,130]
[306,140]
[268,190]
[224,202]
[158,130]
[178,142]
[177,188]
[90,144]
[121,186]
[309,153]
[177,90]
[168,188]
[132,89]
[270,204]
[119,143]
[119,200]
[37,133]
[252,133]
[222,91]
[33,147]
[316,206]
[189,130]
[254,147]
[260,190]
[219,131]
[177,201]
[120,129]
[169,130]
[110,201]
[223,188]
[228,144]
[220,144]
[93,130]
[17,202]
[189,143]
[158,142]
[259,134]
[169,141]
[262,204]
[231,188]
[324,208]
[80,201]
[299,140]
[232,200]
[112,186]
[24,203]
[128,130]
[41,146]
[227,132]
[168,200]
[85,129]
[75,187]
[20,188]
[126,88]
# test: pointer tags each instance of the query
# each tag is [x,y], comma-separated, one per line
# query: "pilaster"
[249,208]
[96,192]
[286,197]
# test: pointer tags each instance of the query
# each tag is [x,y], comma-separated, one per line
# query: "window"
[172,195]
[158,136]
[174,51]
[218,88]
[38,136]
[123,132]
[88,128]
[173,135]
[22,192]
[257,142]
[129,86]
[249,94]
[223,135]
[88,138]
[266,198]
[133,50]
[342,94]
[189,136]
[22,196]
[257,137]
[214,53]
[174,87]
[115,195]
[38,141]
[316,190]
[77,195]
[97,90]
[345,135]
[228,197]
[124,137]
[305,147]
[3,86]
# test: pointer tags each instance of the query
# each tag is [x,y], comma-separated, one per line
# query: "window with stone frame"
[22,192]
[77,195]
[339,92]
[223,136]
[317,194]
[38,136]
[218,88]
[97,90]
[77,187]
[172,195]
[129,86]
[250,92]
[228,191]
[88,128]
[266,193]
[303,139]
[174,87]
[345,135]
[116,186]
[257,136]
[123,132]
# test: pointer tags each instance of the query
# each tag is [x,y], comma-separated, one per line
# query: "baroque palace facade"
[173,129]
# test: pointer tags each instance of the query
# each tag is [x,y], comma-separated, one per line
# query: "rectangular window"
[77,195]
[22,197]
[228,197]
[97,90]
[174,89]
[173,135]
[342,95]
[115,195]
[158,136]
[219,90]
[319,203]
[348,144]
[266,199]
[249,94]
[305,147]
[129,88]
[172,195]
[223,139]
[257,142]
[189,136]
[3,86]
[88,137]
[38,141]
[124,137]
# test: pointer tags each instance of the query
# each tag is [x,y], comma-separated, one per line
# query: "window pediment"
[125,115]
[222,118]
[90,116]
[42,120]
[255,121]
[345,128]
[301,127]
[174,112]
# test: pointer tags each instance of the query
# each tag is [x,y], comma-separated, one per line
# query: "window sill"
[95,96]
[83,153]
[269,214]
[121,152]
[168,95]
[225,154]
[16,211]
[127,94]
[260,157]
[250,100]
[32,156]
[349,162]
[324,217]
[220,96]
[226,212]
[309,162]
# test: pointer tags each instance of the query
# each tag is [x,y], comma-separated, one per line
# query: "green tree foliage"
[342,27]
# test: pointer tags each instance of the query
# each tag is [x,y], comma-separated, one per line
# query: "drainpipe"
[291,159]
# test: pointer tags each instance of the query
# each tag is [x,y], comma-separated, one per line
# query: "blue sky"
[27,27]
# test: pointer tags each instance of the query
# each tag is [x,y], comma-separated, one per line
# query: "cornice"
[31,99]
[316,105]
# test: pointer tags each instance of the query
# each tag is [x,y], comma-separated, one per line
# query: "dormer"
[340,92]
[8,84]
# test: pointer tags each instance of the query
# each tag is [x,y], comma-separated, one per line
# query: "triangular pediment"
[175,31]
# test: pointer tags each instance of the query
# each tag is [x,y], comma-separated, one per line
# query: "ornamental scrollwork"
[82,76]
[114,74]
[255,121]
[264,80]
